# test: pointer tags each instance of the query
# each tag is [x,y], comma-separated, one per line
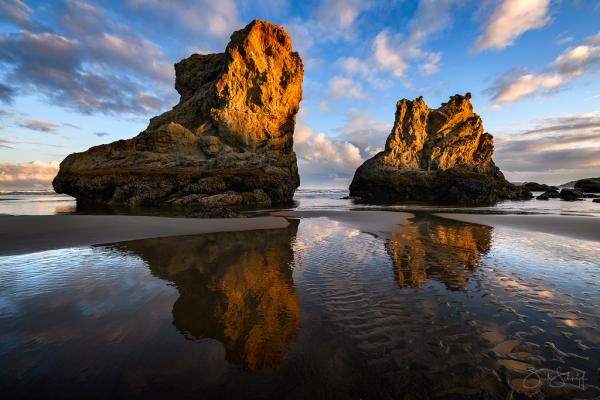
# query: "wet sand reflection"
[236,288]
[444,250]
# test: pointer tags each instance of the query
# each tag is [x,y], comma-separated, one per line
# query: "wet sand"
[587,228]
[32,233]
[366,221]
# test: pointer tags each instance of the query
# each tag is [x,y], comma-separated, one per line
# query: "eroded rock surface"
[437,155]
[228,143]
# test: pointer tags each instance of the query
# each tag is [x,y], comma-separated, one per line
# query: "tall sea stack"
[435,155]
[229,141]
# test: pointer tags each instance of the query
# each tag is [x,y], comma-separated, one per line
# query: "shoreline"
[367,220]
[33,233]
[577,227]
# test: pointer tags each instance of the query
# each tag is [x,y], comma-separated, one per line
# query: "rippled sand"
[320,309]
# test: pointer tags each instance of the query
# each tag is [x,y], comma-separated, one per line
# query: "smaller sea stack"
[437,155]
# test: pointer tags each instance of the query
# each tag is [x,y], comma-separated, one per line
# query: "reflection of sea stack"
[234,287]
[440,155]
[434,248]
[228,142]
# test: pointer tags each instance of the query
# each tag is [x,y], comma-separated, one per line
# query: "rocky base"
[451,186]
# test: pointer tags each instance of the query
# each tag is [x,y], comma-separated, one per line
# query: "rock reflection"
[235,287]
[447,251]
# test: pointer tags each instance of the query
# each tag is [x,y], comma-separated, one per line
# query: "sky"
[74,74]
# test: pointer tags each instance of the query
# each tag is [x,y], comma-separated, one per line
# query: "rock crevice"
[230,135]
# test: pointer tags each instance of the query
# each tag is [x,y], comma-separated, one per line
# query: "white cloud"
[341,13]
[510,19]
[40,125]
[431,64]
[554,150]
[569,65]
[364,132]
[338,155]
[35,174]
[354,66]
[388,57]
[345,87]
[526,85]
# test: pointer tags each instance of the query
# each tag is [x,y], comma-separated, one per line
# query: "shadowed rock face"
[229,141]
[439,155]
[591,185]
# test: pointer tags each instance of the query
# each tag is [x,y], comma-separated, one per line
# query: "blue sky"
[76,74]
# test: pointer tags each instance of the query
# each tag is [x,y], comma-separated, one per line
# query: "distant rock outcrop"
[437,155]
[539,187]
[588,185]
[228,143]
[570,194]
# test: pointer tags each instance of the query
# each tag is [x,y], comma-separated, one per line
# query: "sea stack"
[227,143]
[435,155]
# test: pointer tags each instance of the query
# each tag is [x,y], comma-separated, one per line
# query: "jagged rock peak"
[228,142]
[441,155]
[430,139]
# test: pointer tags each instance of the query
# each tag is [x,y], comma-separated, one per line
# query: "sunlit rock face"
[229,141]
[234,287]
[448,253]
[439,155]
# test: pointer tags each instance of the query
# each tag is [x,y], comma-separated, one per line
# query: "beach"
[579,227]
[32,233]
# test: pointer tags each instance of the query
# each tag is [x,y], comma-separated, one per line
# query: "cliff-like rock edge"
[228,143]
[435,155]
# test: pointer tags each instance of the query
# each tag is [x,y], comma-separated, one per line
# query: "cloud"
[35,174]
[323,106]
[525,85]
[40,125]
[215,18]
[395,53]
[566,146]
[5,144]
[345,87]
[87,67]
[569,65]
[364,132]
[431,64]
[7,94]
[15,11]
[388,57]
[101,134]
[509,20]
[321,158]
[341,13]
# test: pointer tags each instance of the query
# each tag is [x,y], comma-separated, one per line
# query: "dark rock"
[227,144]
[570,194]
[543,196]
[591,196]
[596,200]
[436,155]
[551,194]
[538,187]
[588,185]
